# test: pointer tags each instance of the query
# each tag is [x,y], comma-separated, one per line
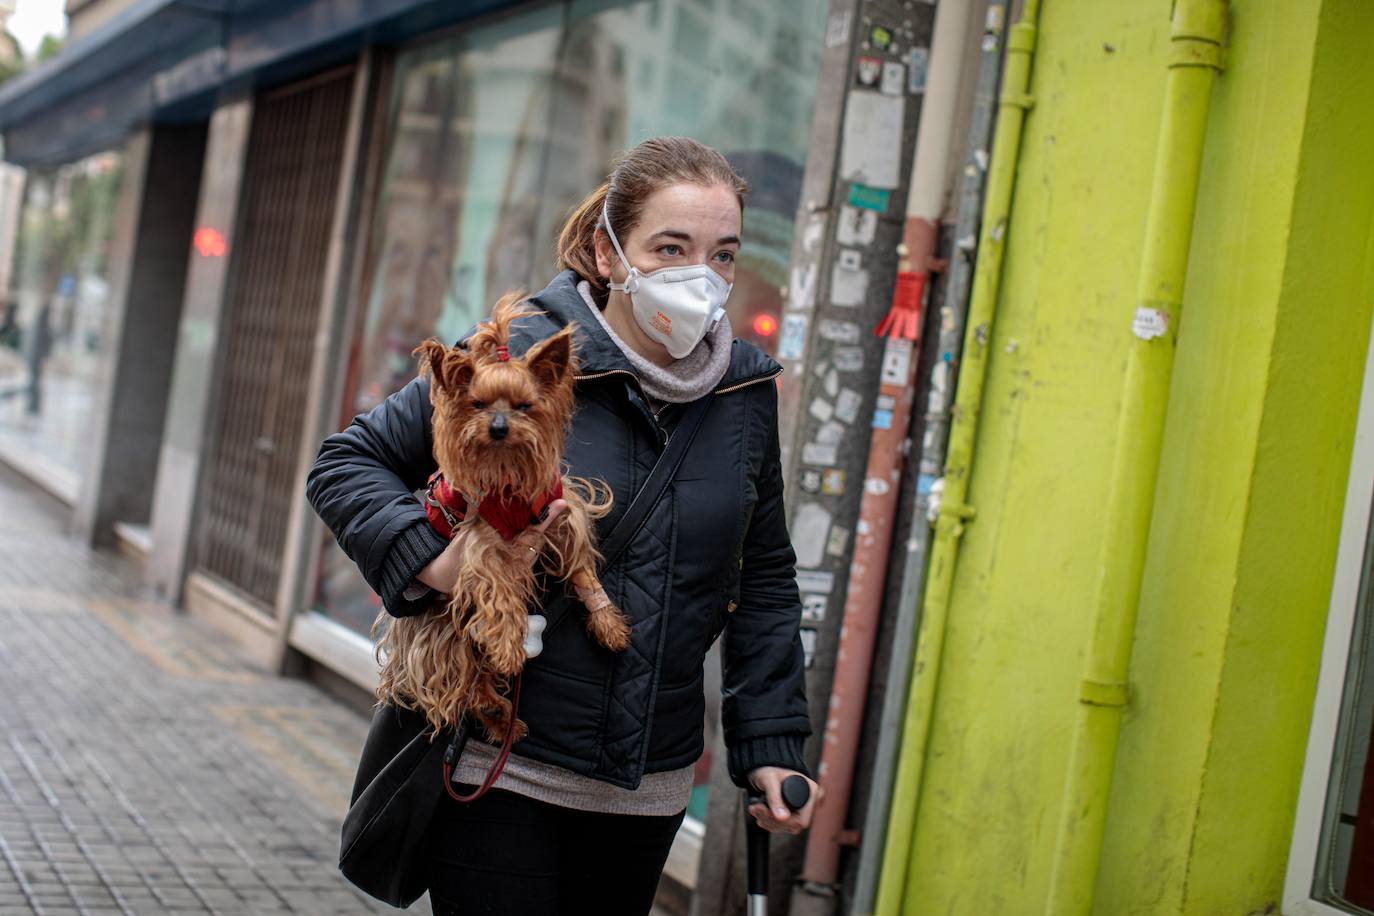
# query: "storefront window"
[497,134]
[52,321]
[1345,868]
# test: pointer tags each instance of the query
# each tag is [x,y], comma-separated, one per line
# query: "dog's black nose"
[499,427]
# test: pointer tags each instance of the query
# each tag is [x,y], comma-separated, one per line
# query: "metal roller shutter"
[287,211]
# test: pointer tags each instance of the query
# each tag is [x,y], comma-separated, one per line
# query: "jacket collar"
[598,355]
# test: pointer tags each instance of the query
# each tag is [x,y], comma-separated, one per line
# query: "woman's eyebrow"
[684,236]
[679,234]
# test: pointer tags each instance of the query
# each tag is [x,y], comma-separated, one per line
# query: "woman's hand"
[776,817]
[441,573]
[532,538]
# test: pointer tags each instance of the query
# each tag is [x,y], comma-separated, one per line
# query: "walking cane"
[796,792]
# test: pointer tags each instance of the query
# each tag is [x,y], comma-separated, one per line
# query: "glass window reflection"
[496,134]
[52,321]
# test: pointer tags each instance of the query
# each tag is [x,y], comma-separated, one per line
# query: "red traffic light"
[209,242]
[765,325]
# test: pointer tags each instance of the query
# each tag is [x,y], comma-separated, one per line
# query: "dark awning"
[170,60]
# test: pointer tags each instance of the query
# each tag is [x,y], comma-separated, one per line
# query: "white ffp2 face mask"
[676,306]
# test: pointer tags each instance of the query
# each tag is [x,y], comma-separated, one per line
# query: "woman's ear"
[550,360]
[605,254]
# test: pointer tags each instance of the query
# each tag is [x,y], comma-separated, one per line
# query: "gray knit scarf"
[682,380]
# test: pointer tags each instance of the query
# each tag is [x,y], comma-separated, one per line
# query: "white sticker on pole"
[1150,323]
[871,146]
[810,531]
[894,78]
[808,641]
[813,607]
[847,407]
[848,287]
[848,359]
[837,30]
[831,433]
[820,454]
[815,581]
[802,292]
[793,340]
[856,226]
[896,361]
[840,331]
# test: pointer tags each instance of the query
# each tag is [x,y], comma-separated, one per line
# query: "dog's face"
[500,419]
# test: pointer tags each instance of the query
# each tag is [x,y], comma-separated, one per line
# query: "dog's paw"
[494,727]
[521,730]
[610,628]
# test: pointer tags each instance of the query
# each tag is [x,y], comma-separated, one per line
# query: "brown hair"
[651,166]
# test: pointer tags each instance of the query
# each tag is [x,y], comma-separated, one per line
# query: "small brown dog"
[500,422]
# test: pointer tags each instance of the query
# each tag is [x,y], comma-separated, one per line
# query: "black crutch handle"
[796,792]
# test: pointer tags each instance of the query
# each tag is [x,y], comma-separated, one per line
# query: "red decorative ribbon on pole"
[904,318]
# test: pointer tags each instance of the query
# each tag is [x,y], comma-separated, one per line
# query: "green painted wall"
[1261,420]
[1270,354]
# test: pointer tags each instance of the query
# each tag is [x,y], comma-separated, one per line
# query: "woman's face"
[680,225]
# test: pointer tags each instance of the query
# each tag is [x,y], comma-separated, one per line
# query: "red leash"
[497,767]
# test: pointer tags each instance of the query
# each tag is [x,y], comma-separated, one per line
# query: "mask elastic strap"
[610,233]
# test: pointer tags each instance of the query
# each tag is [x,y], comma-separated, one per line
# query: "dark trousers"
[505,854]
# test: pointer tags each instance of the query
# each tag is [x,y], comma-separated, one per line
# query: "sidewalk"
[145,767]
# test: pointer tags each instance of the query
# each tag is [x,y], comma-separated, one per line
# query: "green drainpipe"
[954,512]
[1195,57]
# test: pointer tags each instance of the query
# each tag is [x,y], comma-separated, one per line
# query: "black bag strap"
[665,469]
[628,525]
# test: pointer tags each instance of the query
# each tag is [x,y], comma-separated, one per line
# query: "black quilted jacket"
[714,555]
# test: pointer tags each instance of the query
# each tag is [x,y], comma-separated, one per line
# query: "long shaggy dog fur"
[460,656]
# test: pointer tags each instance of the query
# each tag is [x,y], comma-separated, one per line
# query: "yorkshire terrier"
[499,425]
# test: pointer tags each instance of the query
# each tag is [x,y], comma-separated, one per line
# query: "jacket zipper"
[751,381]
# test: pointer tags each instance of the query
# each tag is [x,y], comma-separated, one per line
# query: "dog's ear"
[458,369]
[431,354]
[550,360]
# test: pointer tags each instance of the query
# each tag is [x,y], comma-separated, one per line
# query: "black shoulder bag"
[400,775]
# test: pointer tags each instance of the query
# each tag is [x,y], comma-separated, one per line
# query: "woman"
[587,806]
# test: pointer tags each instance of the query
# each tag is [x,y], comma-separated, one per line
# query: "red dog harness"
[446,507]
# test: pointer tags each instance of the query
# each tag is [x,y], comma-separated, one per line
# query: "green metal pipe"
[1195,56]
[954,512]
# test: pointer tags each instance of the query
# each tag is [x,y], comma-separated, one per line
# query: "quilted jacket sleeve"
[362,485]
[763,697]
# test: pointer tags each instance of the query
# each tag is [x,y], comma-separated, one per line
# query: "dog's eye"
[522,407]
[478,405]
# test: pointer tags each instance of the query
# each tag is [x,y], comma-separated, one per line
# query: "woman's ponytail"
[577,241]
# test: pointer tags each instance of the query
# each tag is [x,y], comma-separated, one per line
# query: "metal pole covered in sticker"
[888,428]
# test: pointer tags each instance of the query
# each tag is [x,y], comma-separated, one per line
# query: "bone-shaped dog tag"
[534,635]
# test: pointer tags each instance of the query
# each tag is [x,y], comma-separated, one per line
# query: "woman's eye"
[478,405]
[726,257]
[522,407]
[671,251]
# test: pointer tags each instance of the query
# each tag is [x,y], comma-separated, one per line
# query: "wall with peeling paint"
[1270,356]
